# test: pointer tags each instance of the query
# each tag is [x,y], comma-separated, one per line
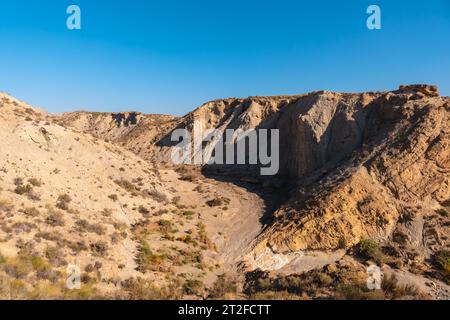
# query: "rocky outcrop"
[400,161]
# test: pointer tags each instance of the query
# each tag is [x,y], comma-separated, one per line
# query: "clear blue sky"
[171,56]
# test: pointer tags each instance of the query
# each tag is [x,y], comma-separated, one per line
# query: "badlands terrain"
[364,182]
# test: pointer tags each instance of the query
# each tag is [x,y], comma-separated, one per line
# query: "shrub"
[143,210]
[23,189]
[63,201]
[99,248]
[125,184]
[35,182]
[32,212]
[55,219]
[18,181]
[157,196]
[165,225]
[147,260]
[369,249]
[442,262]
[55,256]
[214,202]
[113,197]
[84,225]
[443,212]
[188,177]
[222,286]
[192,287]
[140,289]
[357,292]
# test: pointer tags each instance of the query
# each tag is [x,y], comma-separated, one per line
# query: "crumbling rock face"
[400,159]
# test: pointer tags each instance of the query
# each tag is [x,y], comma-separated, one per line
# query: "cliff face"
[394,163]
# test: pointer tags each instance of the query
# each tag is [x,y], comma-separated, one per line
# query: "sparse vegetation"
[127,185]
[84,225]
[35,182]
[55,219]
[224,287]
[442,262]
[63,202]
[31,211]
[99,248]
[23,189]
[369,249]
[147,260]
[143,210]
[113,197]
[193,287]
[157,196]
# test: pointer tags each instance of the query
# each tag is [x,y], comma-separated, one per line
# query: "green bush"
[369,249]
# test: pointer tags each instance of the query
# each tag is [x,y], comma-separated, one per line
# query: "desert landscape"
[364,182]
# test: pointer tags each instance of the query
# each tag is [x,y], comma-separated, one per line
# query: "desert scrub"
[223,287]
[55,256]
[193,287]
[443,212]
[31,212]
[390,290]
[369,249]
[147,260]
[54,236]
[357,291]
[12,289]
[55,219]
[442,262]
[188,213]
[99,248]
[23,189]
[203,237]
[113,197]
[157,196]
[165,225]
[35,182]
[63,201]
[18,267]
[217,202]
[83,225]
[143,210]
[126,185]
[187,239]
[141,289]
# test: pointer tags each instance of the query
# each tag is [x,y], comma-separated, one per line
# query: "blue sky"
[171,56]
